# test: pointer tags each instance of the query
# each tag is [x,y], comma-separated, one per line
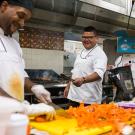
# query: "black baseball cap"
[22,3]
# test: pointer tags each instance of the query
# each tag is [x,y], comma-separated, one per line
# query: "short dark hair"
[90,29]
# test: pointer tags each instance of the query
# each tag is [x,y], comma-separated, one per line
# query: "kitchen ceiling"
[74,15]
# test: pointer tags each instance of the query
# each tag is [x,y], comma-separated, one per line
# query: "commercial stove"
[52,81]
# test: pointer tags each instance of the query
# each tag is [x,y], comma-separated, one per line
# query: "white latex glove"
[40,109]
[41,93]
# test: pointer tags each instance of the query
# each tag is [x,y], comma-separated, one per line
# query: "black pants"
[75,104]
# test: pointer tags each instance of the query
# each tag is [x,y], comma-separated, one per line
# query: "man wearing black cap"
[13,14]
[13,78]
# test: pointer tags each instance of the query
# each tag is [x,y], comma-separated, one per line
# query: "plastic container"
[18,125]
[4,118]
[7,106]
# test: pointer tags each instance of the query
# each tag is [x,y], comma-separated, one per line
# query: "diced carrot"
[28,129]
[133,125]
[40,119]
[97,115]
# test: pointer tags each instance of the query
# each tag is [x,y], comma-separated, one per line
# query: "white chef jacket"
[12,71]
[87,62]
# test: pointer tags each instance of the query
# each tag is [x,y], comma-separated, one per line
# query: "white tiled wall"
[43,59]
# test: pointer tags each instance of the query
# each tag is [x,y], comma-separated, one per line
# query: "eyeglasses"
[88,37]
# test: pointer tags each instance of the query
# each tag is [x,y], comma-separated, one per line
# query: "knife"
[56,107]
[59,111]
[66,77]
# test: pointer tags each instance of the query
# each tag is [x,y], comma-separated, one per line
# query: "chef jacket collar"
[2,32]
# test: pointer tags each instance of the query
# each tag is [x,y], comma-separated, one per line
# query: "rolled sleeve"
[100,65]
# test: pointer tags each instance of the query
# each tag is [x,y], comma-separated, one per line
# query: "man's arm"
[87,79]
[40,92]
[99,68]
[3,93]
[91,78]
[28,84]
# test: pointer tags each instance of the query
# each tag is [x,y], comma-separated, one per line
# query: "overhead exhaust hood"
[119,6]
[64,15]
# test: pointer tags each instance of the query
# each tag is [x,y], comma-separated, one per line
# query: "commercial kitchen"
[50,42]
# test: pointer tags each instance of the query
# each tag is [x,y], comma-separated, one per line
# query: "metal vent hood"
[73,15]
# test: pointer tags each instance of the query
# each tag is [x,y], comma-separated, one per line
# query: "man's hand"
[39,109]
[41,93]
[78,81]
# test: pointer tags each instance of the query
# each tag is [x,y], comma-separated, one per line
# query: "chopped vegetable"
[96,115]
[41,118]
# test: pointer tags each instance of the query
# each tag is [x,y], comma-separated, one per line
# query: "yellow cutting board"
[67,126]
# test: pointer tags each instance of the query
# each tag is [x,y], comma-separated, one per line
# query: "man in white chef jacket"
[13,78]
[87,74]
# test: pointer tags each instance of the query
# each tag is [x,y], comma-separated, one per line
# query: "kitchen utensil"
[56,107]
[60,111]
[66,77]
[66,126]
